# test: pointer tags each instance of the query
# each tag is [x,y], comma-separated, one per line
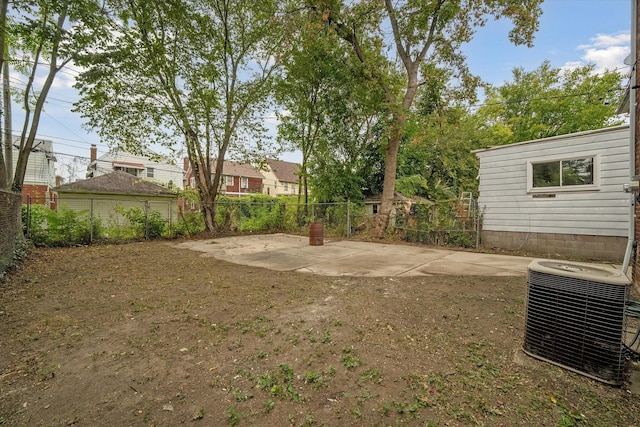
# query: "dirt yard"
[146,334]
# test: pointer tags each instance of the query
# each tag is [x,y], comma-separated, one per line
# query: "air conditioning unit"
[575,317]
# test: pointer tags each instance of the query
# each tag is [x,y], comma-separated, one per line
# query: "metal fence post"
[91,221]
[348,218]
[146,219]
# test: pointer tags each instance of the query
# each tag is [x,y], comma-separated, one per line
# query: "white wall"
[163,173]
[510,205]
[41,163]
[104,206]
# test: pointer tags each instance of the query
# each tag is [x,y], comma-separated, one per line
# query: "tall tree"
[41,37]
[331,111]
[550,101]
[196,71]
[422,32]
[311,73]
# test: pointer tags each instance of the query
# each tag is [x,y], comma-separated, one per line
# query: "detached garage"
[560,196]
[102,195]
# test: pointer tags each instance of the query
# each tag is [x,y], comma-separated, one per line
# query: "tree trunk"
[383,217]
[6,151]
[6,136]
[209,210]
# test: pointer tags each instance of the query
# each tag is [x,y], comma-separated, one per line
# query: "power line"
[544,98]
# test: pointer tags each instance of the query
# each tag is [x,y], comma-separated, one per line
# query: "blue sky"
[572,32]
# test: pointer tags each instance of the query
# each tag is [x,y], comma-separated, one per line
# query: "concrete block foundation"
[573,246]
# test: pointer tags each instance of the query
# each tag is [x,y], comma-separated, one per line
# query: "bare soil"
[146,334]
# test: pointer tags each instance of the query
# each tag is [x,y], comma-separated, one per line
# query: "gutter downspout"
[632,132]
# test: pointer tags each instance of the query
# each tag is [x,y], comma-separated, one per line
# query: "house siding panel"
[507,205]
[105,206]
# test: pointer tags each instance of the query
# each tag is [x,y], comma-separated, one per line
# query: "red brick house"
[237,180]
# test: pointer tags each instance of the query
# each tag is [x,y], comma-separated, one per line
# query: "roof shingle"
[116,183]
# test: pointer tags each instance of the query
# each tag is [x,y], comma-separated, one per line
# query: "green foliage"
[279,383]
[62,227]
[440,223]
[252,213]
[34,223]
[550,101]
[188,224]
[150,225]
[208,67]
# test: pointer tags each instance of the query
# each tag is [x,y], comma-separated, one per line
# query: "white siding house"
[560,196]
[40,175]
[144,167]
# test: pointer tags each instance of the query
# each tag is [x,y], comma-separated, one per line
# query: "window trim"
[228,180]
[570,188]
[150,172]
[244,182]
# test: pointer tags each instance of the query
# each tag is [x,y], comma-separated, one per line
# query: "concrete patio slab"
[284,252]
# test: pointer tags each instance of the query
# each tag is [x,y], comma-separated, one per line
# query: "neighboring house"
[560,196]
[238,179]
[280,178]
[145,167]
[100,196]
[40,176]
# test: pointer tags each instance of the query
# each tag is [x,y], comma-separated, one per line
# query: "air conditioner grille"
[576,323]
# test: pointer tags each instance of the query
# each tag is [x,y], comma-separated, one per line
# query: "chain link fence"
[85,221]
[455,222]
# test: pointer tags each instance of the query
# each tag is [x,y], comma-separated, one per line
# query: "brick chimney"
[58,180]
[185,165]
[94,153]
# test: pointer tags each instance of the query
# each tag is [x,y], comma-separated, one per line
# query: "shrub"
[34,223]
[62,227]
[150,226]
[189,223]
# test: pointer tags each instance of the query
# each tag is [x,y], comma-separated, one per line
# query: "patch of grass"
[233,415]
[309,420]
[386,409]
[279,383]
[350,358]
[240,396]
[366,395]
[268,406]
[373,375]
[313,377]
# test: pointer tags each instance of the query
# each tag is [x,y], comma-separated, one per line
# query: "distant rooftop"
[116,183]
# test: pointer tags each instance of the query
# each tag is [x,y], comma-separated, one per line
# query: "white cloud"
[606,51]
[607,40]
[611,58]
